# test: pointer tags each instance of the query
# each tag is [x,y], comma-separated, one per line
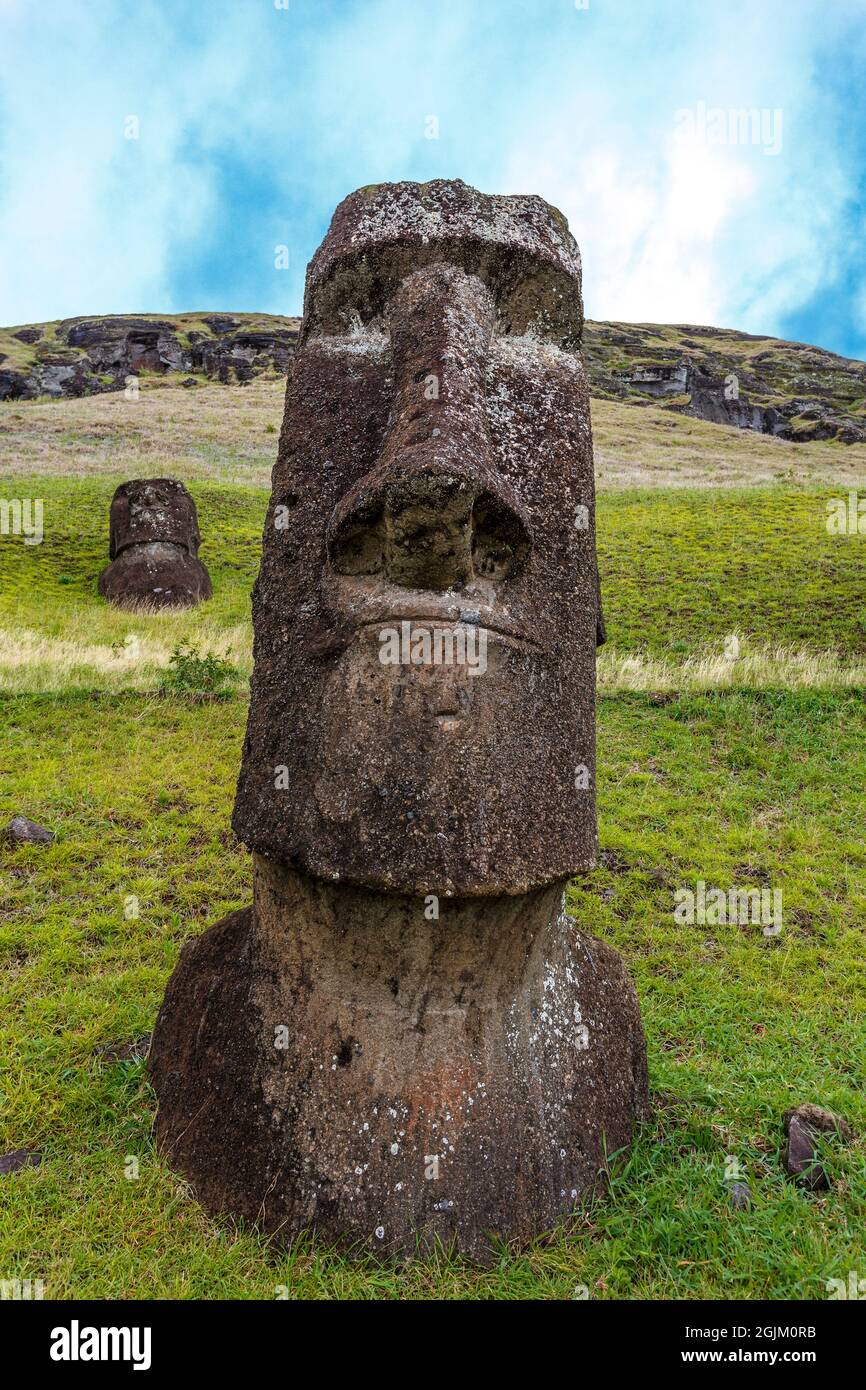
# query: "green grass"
[46,585]
[733,788]
[742,786]
[680,568]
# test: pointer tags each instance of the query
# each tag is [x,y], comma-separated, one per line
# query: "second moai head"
[423,699]
[153,547]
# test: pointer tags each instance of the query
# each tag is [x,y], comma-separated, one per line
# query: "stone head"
[153,545]
[423,698]
[152,509]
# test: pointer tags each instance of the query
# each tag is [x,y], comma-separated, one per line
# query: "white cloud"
[577,106]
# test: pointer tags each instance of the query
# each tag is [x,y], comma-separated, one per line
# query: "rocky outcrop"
[721,403]
[241,355]
[720,400]
[83,356]
[660,379]
[792,390]
[715,401]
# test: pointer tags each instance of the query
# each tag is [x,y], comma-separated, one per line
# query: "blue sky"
[256,116]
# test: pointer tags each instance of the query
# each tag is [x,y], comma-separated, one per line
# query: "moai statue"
[406,1037]
[153,547]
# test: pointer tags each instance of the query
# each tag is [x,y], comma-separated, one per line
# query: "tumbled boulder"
[803,1124]
[22,831]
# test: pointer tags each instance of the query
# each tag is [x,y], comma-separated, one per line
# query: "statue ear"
[600,629]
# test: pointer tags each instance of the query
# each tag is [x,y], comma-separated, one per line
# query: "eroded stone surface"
[405,1037]
[802,1125]
[19,1158]
[333,1060]
[435,466]
[153,546]
[22,831]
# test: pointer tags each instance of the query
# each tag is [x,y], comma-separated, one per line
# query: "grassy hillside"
[819,393]
[682,570]
[742,765]
[743,787]
[770,370]
[227,433]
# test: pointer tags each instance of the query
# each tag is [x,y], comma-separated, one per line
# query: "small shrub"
[199,677]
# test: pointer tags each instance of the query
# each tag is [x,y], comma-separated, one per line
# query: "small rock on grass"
[124,1051]
[26,832]
[19,1158]
[824,1121]
[740,1195]
[803,1124]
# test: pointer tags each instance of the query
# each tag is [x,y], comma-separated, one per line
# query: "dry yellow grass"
[645,446]
[229,433]
[758,667]
[85,659]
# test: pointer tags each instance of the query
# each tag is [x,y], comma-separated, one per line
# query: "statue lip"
[357,606]
[444,618]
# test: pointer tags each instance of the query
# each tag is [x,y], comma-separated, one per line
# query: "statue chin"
[427,778]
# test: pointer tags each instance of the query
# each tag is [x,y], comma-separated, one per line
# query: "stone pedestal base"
[340,1060]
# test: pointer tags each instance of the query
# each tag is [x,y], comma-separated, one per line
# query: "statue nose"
[431,531]
[435,512]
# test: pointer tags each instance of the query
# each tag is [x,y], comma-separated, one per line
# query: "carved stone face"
[153,545]
[423,699]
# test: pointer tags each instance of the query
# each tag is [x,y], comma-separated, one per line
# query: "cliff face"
[765,384]
[82,356]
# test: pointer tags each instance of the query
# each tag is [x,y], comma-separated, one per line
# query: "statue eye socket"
[359,545]
[499,540]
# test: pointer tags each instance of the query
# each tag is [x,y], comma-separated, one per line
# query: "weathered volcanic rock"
[26,832]
[802,1125]
[19,1158]
[332,1060]
[636,363]
[709,401]
[405,1037]
[403,471]
[15,386]
[153,545]
[87,356]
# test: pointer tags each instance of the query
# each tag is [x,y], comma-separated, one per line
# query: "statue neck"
[394,948]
